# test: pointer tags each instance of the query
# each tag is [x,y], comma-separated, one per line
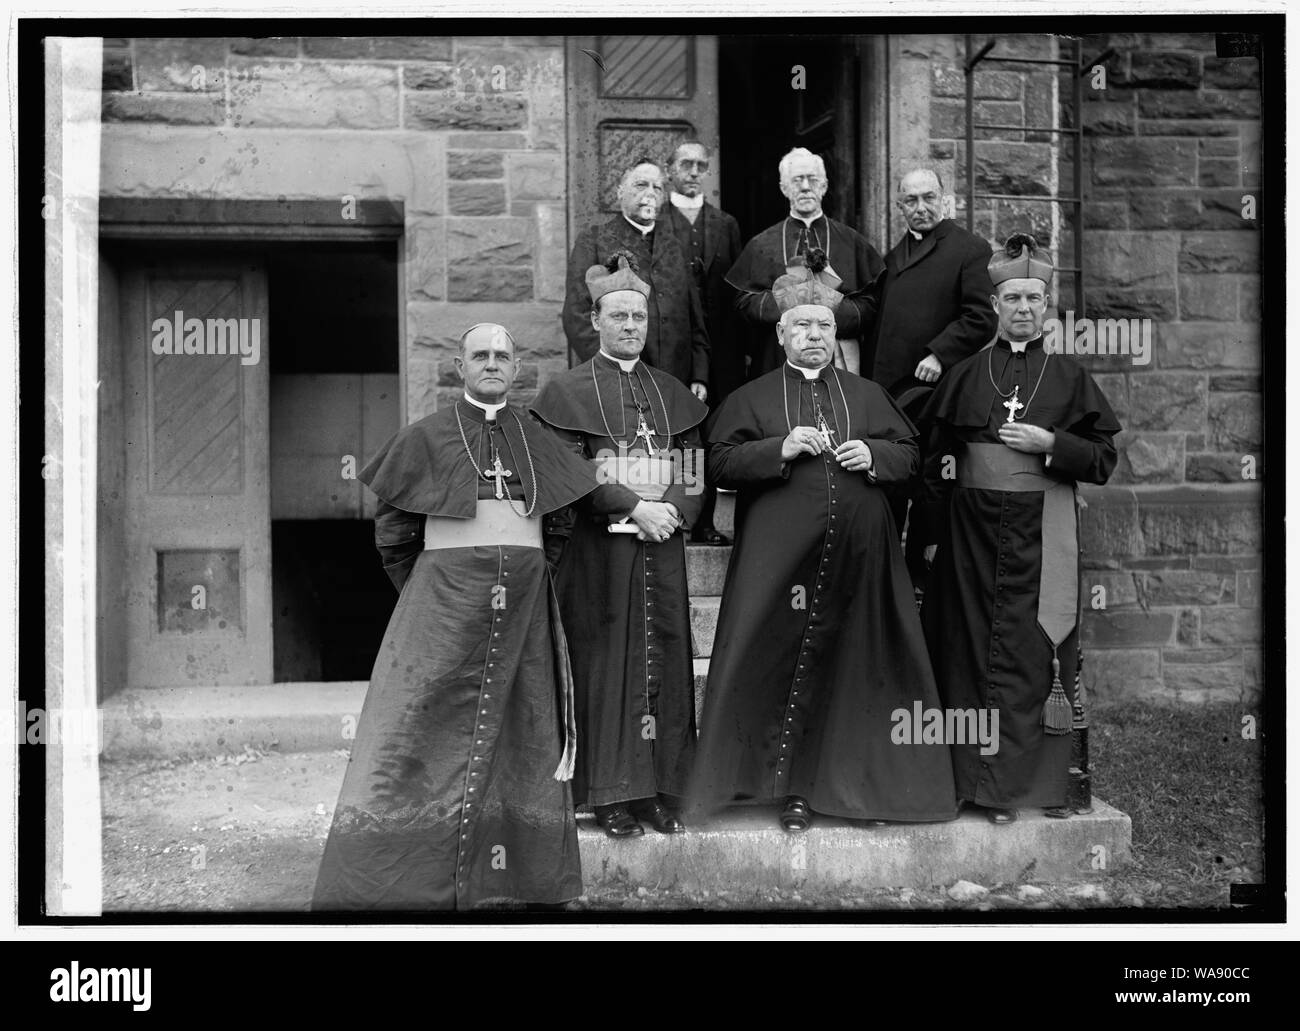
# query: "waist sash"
[495,524]
[648,477]
[998,467]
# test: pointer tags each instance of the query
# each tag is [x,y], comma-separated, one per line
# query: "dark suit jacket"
[721,248]
[934,300]
[676,338]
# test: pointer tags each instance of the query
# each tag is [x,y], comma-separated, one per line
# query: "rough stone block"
[1208,345]
[1220,252]
[421,387]
[1248,301]
[1218,172]
[1107,214]
[535,177]
[1189,628]
[1128,260]
[167,108]
[1250,584]
[1109,527]
[444,111]
[1166,401]
[1128,629]
[1121,674]
[487,141]
[1195,41]
[552,252]
[1018,168]
[1117,590]
[1143,161]
[1237,382]
[475,281]
[1185,127]
[1201,656]
[271,93]
[181,65]
[490,241]
[1145,302]
[1219,148]
[475,164]
[428,77]
[492,69]
[1205,468]
[1211,298]
[1202,104]
[1223,210]
[1163,70]
[426,259]
[1236,423]
[1231,72]
[948,120]
[271,46]
[1228,625]
[1250,155]
[1108,119]
[1187,587]
[1149,458]
[385,48]
[1201,685]
[1190,521]
[476,198]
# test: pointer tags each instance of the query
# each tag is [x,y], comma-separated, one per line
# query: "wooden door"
[634,97]
[197,513]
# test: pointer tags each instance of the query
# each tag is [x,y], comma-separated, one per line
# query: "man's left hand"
[854,455]
[1032,440]
[929,369]
[700,390]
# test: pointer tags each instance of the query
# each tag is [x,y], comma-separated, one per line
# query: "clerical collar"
[643,230]
[918,237]
[626,364]
[807,373]
[1017,347]
[490,411]
[808,221]
[680,200]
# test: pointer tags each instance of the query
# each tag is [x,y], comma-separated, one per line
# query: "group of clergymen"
[540,655]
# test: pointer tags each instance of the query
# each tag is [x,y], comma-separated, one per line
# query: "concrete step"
[704,624]
[745,848]
[706,569]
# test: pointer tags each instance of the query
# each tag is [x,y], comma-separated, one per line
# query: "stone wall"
[1171,158]
[468,132]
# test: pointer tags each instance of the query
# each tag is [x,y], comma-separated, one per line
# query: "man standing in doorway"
[807,232]
[710,240]
[622,580]
[676,339]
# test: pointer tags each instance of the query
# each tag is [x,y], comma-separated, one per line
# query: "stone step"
[704,624]
[744,849]
[706,569]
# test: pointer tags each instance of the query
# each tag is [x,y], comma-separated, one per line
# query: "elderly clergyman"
[457,790]
[1020,427]
[843,252]
[676,337]
[622,578]
[932,310]
[818,643]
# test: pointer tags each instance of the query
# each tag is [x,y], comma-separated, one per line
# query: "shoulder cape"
[423,468]
[568,401]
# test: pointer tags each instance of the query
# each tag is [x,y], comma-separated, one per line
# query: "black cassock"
[450,795]
[767,256]
[818,640]
[624,600]
[981,612]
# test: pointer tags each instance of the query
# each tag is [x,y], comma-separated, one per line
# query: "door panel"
[198,532]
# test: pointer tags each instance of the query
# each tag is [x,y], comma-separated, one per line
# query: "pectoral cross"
[828,434]
[1014,404]
[499,474]
[643,432]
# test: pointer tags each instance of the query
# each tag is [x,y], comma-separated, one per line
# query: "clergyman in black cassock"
[818,645]
[457,789]
[1013,429]
[623,594]
[778,248]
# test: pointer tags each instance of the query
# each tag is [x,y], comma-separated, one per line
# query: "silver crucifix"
[643,432]
[1014,404]
[500,474]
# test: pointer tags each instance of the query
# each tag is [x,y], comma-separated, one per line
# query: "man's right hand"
[803,440]
[654,519]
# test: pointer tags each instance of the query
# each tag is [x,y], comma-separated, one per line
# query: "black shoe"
[660,817]
[1001,816]
[617,821]
[710,536]
[796,817]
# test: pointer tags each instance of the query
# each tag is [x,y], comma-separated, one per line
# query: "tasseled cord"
[1057,715]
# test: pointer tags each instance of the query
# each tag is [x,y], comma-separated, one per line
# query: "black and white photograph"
[810,469]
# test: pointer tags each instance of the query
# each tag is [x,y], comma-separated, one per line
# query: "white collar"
[680,200]
[626,364]
[915,235]
[807,221]
[489,410]
[807,373]
[1018,346]
[643,230]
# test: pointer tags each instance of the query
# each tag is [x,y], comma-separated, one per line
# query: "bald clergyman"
[457,790]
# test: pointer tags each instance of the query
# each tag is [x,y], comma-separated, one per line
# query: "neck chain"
[642,430]
[808,230]
[496,471]
[817,412]
[1014,405]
